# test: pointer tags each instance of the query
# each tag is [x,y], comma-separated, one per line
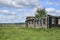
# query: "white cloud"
[58,11]
[4,11]
[11,18]
[19,17]
[10,15]
[27,12]
[49,3]
[7,12]
[53,11]
[21,10]
[50,10]
[56,3]
[20,3]
[28,3]
[1,17]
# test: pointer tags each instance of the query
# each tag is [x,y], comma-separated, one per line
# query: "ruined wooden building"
[45,22]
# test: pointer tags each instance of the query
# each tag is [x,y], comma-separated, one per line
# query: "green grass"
[16,33]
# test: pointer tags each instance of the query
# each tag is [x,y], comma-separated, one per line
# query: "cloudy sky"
[13,11]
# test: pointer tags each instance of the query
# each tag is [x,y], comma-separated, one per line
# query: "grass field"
[16,33]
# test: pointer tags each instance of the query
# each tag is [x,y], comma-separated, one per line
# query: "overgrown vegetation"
[16,33]
[40,13]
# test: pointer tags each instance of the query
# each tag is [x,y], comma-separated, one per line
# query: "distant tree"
[40,13]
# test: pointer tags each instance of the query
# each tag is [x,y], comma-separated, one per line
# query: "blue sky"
[15,11]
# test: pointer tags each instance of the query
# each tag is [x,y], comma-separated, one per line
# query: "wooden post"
[34,23]
[56,21]
[49,22]
[42,22]
[46,22]
[39,22]
[26,23]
